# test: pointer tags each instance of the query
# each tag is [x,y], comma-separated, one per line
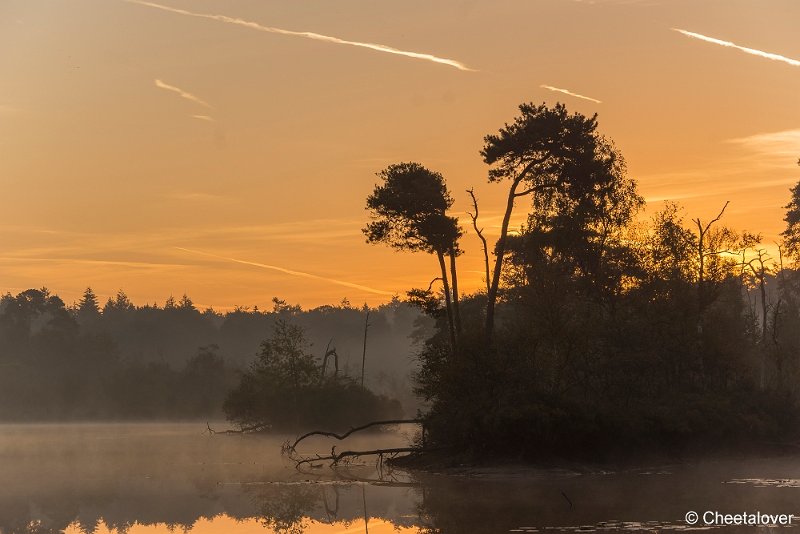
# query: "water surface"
[158,478]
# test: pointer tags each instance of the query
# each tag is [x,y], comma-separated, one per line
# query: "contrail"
[182,93]
[751,51]
[141,264]
[570,93]
[308,35]
[292,273]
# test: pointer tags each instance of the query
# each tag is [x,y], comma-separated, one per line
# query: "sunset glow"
[133,133]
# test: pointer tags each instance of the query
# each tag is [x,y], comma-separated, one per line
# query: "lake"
[166,477]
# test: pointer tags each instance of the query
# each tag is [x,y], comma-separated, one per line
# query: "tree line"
[175,361]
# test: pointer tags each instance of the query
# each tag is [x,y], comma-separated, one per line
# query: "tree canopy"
[409,210]
[577,180]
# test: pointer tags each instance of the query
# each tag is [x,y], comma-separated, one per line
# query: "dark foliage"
[612,338]
[284,389]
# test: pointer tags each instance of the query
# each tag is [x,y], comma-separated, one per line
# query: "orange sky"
[146,149]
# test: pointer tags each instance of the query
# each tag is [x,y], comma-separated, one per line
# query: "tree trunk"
[364,354]
[454,279]
[491,298]
[761,284]
[447,300]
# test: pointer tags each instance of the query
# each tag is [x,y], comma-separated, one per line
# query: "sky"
[225,148]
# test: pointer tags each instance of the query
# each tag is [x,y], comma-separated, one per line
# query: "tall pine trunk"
[447,299]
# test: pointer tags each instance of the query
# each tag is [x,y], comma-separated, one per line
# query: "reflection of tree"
[290,508]
[331,509]
[285,508]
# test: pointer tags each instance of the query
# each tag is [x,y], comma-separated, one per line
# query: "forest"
[117,360]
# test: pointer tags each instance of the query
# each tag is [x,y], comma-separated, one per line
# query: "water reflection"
[98,479]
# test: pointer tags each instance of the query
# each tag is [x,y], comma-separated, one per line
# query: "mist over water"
[119,475]
[162,477]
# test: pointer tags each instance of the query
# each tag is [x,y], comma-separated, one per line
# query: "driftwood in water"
[335,457]
[242,430]
[352,430]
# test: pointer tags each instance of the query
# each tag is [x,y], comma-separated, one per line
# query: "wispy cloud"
[84,261]
[760,161]
[291,272]
[203,118]
[751,51]
[570,93]
[725,185]
[182,93]
[308,35]
[781,148]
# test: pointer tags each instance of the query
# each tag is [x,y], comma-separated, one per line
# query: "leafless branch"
[352,430]
[479,231]
[338,457]
[430,286]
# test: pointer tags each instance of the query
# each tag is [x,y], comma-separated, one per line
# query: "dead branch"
[708,226]
[328,353]
[340,437]
[261,427]
[338,457]
[430,286]
[479,231]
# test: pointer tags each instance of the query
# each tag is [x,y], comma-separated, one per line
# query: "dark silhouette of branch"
[430,286]
[364,354]
[479,231]
[338,457]
[352,430]
[328,353]
[717,218]
[242,430]
[718,252]
[702,254]
[526,192]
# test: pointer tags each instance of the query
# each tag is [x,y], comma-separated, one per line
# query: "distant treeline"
[119,360]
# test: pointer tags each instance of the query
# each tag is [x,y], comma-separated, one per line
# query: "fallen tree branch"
[337,457]
[242,430]
[352,430]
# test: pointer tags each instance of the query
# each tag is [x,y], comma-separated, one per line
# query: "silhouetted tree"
[576,179]
[88,308]
[186,303]
[409,212]
[791,235]
[283,390]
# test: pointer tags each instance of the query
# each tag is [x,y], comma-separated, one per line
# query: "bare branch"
[718,252]
[439,278]
[328,353]
[261,427]
[718,217]
[338,457]
[479,231]
[353,430]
